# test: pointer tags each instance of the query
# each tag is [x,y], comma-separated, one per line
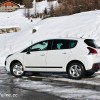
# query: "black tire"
[76,71]
[88,73]
[17,69]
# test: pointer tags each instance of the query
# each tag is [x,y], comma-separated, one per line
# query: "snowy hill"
[40,6]
[86,25]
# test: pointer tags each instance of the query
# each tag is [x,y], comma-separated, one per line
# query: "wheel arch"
[74,61]
[14,61]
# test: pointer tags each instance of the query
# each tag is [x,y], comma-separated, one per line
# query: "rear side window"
[73,43]
[60,44]
[91,43]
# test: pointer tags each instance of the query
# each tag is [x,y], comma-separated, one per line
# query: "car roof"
[64,38]
[69,38]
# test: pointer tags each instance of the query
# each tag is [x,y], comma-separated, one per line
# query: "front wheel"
[17,69]
[76,71]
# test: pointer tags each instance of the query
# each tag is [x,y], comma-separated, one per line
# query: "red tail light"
[92,51]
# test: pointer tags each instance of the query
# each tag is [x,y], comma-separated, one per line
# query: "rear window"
[73,43]
[91,43]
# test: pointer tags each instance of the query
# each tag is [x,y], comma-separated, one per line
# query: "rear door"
[58,55]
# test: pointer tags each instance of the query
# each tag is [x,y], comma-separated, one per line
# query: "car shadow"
[56,75]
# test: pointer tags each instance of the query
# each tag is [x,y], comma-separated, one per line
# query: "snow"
[40,6]
[85,25]
[86,82]
[60,91]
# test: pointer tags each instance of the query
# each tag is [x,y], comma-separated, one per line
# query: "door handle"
[64,53]
[42,55]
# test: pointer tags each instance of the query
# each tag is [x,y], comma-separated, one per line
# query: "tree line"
[68,7]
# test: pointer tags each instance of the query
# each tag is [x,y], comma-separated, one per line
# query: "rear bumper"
[95,67]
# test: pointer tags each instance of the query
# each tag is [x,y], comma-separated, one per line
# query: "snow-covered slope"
[40,6]
[86,25]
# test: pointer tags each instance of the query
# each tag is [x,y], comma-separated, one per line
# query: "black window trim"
[51,48]
[25,50]
[58,40]
[70,44]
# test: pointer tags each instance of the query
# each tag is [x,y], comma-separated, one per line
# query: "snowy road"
[44,87]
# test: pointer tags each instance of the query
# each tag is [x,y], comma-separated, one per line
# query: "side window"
[73,43]
[60,44]
[41,46]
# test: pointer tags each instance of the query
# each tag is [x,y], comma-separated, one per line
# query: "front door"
[35,60]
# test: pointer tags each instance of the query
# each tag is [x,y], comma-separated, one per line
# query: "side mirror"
[28,51]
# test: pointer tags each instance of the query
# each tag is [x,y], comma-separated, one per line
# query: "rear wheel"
[17,69]
[76,71]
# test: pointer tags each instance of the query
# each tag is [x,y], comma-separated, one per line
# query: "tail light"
[92,50]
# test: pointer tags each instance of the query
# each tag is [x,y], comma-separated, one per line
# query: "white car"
[77,57]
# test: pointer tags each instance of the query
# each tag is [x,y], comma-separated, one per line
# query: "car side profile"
[76,57]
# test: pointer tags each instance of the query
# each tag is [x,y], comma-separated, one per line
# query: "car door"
[35,58]
[58,56]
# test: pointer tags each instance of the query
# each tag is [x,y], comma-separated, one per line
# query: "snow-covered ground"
[63,91]
[85,25]
[54,85]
